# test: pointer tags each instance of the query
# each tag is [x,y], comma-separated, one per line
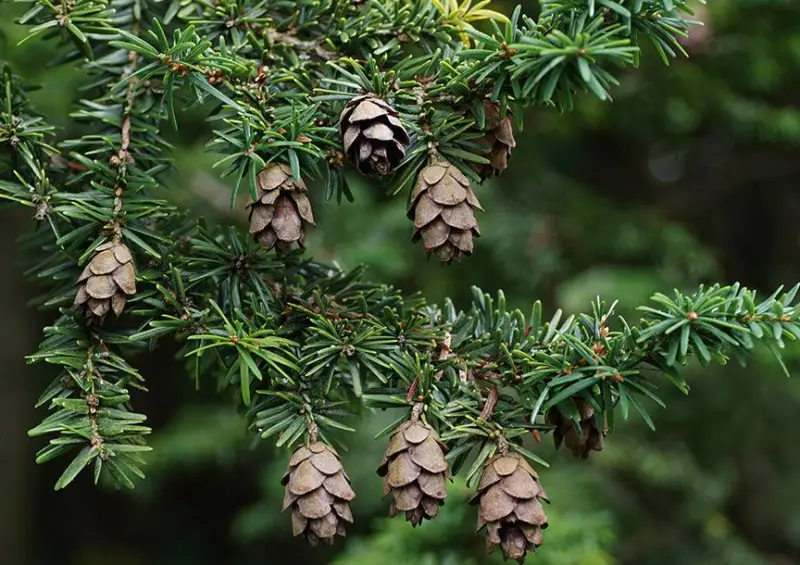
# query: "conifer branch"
[415,95]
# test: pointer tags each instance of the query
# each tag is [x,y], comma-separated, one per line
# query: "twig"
[289,38]
[491,402]
[93,401]
[502,445]
[416,412]
[123,158]
[313,431]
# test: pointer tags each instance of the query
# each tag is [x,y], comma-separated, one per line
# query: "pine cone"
[107,281]
[442,207]
[373,137]
[277,218]
[318,491]
[498,142]
[510,506]
[581,445]
[414,471]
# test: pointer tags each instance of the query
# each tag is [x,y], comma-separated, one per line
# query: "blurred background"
[692,175]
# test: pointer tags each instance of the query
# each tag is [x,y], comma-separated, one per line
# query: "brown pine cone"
[510,506]
[106,282]
[373,137]
[581,444]
[279,215]
[443,209]
[498,142]
[318,491]
[414,471]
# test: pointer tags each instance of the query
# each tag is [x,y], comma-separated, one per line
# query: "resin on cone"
[581,444]
[279,216]
[373,137]
[318,492]
[106,282]
[509,499]
[443,209]
[414,470]
[498,142]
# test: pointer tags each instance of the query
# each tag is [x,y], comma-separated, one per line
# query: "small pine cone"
[106,282]
[581,444]
[278,217]
[498,142]
[318,492]
[373,137]
[443,209]
[414,471]
[510,506]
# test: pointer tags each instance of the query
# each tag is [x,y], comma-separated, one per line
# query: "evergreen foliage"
[304,345]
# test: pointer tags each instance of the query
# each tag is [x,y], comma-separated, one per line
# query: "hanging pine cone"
[279,215]
[443,209]
[414,471]
[373,137]
[510,506]
[318,491]
[498,141]
[107,281]
[581,444]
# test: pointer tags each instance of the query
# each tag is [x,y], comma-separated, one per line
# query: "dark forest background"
[691,175]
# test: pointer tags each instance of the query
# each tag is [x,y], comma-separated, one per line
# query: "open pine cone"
[318,492]
[510,506]
[373,137]
[279,215]
[581,444]
[414,471]
[498,142]
[107,281]
[443,209]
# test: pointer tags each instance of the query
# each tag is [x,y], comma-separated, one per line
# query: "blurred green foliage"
[691,175]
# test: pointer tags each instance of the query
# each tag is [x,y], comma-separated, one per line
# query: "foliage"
[299,341]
